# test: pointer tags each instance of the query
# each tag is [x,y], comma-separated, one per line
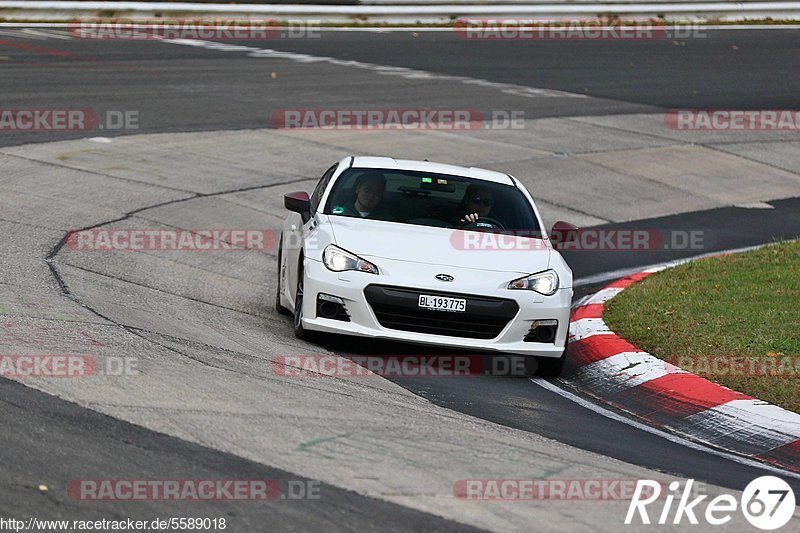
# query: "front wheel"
[299,331]
[552,367]
[278,306]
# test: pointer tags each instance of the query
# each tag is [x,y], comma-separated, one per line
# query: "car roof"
[428,166]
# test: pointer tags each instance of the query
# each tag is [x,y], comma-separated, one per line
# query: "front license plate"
[441,303]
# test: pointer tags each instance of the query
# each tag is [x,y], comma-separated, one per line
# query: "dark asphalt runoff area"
[183,88]
[47,441]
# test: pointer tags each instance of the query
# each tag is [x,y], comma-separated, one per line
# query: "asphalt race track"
[194,89]
[385,453]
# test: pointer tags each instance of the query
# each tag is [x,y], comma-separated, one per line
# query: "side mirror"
[563,233]
[299,203]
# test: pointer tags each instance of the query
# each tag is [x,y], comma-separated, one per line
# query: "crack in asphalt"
[157,289]
[50,258]
[95,173]
[746,158]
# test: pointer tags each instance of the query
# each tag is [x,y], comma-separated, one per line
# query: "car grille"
[397,308]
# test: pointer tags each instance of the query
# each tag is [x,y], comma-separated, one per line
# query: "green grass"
[704,315]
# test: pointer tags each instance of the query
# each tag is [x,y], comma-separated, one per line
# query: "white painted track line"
[663,434]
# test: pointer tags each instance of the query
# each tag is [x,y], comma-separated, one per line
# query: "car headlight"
[544,283]
[340,260]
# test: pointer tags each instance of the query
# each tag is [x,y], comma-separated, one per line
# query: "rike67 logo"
[768,503]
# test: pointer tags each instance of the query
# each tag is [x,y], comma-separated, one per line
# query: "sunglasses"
[486,202]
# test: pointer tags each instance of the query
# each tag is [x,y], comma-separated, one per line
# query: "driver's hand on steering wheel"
[471,217]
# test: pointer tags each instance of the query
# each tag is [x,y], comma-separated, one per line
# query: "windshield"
[428,199]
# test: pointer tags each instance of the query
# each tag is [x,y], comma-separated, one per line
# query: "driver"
[369,189]
[476,203]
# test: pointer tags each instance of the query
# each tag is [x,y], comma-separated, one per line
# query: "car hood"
[375,239]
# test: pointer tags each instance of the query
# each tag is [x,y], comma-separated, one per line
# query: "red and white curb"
[610,369]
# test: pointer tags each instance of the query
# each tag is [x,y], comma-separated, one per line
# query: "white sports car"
[425,253]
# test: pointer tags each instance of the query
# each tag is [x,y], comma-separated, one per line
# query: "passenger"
[476,203]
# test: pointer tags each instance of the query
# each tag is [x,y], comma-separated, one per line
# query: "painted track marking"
[663,434]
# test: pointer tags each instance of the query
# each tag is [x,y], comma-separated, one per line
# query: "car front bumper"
[350,287]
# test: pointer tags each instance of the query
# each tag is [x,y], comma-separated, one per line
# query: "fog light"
[331,307]
[542,331]
[329,298]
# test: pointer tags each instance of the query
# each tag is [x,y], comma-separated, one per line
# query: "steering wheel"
[483,224]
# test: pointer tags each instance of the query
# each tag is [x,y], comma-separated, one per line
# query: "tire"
[299,331]
[552,367]
[531,366]
[278,307]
